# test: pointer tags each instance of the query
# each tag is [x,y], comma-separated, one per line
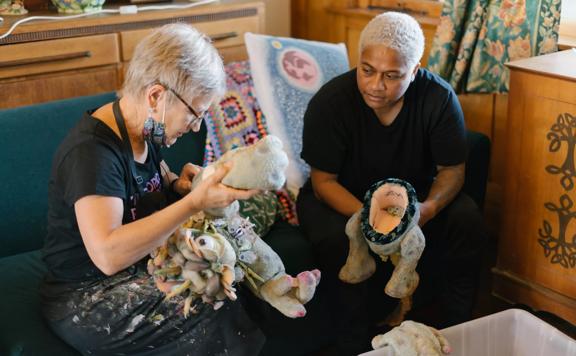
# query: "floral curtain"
[476,37]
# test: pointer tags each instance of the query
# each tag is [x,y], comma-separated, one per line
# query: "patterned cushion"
[287,73]
[237,121]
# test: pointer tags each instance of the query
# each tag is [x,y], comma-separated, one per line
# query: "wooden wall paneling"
[432,8]
[495,190]
[479,116]
[299,18]
[338,29]
[318,18]
[354,27]
[499,138]
[478,112]
[311,19]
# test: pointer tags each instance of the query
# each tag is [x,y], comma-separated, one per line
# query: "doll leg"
[404,280]
[359,264]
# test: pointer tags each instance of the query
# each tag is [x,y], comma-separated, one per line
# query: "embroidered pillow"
[237,121]
[287,73]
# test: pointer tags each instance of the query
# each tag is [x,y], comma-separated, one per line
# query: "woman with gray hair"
[389,118]
[113,200]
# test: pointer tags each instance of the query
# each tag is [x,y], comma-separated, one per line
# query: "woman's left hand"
[183,184]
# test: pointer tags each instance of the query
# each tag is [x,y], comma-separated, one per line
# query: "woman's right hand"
[211,193]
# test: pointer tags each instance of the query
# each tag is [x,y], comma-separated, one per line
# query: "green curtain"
[475,38]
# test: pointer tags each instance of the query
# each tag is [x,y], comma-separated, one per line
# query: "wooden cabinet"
[537,245]
[45,61]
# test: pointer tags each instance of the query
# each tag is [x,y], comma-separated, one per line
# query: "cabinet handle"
[223,36]
[55,58]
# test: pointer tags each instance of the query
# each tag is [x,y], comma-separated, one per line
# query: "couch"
[31,135]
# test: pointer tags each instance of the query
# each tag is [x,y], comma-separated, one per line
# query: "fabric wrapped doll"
[388,225]
[218,248]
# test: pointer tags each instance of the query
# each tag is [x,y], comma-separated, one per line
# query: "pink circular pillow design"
[300,69]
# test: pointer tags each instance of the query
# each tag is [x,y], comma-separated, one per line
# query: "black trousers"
[448,269]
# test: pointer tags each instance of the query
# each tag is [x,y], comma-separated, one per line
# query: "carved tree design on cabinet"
[560,248]
[564,130]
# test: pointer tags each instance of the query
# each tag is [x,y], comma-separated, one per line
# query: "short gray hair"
[180,57]
[396,31]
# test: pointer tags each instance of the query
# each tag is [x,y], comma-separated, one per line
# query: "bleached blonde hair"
[180,57]
[396,31]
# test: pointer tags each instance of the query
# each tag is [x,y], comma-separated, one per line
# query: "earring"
[153,130]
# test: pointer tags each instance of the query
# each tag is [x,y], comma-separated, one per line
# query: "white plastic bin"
[513,332]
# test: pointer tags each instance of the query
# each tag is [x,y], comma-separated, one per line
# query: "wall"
[567,31]
[278,17]
[568,18]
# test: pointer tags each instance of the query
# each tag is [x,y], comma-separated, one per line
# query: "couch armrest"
[477,167]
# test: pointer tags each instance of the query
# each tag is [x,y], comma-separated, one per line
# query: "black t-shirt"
[91,161]
[343,136]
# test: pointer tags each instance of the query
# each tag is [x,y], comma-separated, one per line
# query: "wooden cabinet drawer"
[47,87]
[224,34]
[58,55]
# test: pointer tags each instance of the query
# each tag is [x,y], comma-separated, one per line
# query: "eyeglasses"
[197,117]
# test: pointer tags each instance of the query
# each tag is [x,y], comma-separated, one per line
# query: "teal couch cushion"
[30,136]
[22,329]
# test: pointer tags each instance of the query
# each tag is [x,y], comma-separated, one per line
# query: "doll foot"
[307,282]
[403,286]
[277,293]
[357,269]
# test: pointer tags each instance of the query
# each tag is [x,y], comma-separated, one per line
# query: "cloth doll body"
[388,225]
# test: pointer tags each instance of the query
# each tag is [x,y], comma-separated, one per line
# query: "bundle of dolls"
[216,249]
